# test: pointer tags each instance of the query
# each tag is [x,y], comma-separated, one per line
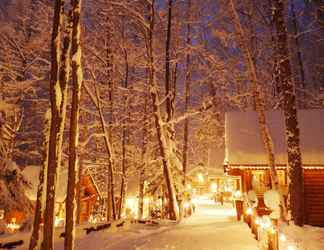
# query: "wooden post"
[254,226]
[273,236]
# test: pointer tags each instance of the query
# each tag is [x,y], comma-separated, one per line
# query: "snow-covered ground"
[211,227]
[305,238]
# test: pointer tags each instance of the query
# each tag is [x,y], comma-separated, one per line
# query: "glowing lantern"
[213,187]
[13,226]
[282,237]
[186,205]
[249,211]
[238,194]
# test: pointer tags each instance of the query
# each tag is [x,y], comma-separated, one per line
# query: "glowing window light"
[200,177]
[291,247]
[213,187]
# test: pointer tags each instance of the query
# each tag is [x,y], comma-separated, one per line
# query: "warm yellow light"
[188,186]
[186,205]
[265,223]
[213,187]
[282,237]
[249,211]
[200,177]
[13,226]
[238,194]
[272,230]
[291,247]
[58,222]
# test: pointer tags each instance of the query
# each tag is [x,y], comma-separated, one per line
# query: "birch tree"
[77,77]
[259,102]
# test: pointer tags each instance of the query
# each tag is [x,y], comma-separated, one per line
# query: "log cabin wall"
[314,192]
[314,197]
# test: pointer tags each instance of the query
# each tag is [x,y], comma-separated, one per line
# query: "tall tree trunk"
[259,102]
[79,192]
[161,133]
[109,149]
[296,184]
[168,87]
[125,140]
[74,126]
[301,79]
[143,161]
[187,96]
[34,242]
[108,145]
[111,208]
[58,94]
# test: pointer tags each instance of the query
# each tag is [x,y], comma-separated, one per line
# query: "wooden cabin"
[205,180]
[89,195]
[246,158]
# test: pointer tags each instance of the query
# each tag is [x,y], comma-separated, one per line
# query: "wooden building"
[246,158]
[212,180]
[89,194]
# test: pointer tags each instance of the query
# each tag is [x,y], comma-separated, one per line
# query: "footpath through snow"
[211,227]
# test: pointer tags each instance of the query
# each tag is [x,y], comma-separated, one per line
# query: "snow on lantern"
[249,211]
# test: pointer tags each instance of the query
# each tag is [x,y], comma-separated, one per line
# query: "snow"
[211,227]
[272,201]
[244,144]
[31,174]
[301,238]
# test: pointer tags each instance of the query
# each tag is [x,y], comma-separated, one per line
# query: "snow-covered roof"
[31,174]
[209,170]
[244,144]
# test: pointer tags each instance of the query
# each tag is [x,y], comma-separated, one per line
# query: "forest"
[134,94]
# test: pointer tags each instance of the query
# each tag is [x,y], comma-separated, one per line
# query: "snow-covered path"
[211,227]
